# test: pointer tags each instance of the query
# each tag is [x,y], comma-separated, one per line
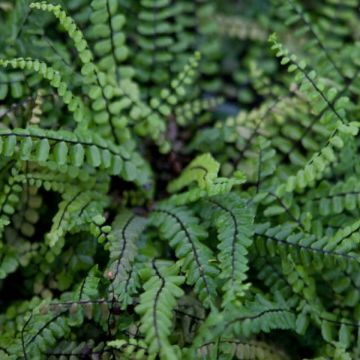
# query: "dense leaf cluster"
[179,179]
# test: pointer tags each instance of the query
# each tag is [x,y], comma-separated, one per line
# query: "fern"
[107,31]
[175,186]
[183,232]
[126,230]
[233,222]
[155,308]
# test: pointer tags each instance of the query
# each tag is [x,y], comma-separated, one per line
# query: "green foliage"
[107,31]
[126,230]
[233,221]
[181,228]
[74,103]
[155,307]
[178,183]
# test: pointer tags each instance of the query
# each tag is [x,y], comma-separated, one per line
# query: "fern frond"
[9,199]
[44,332]
[152,120]
[74,103]
[126,231]
[70,27]
[261,315]
[315,167]
[181,228]
[304,247]
[328,199]
[302,19]
[110,42]
[219,186]
[203,170]
[130,347]
[103,93]
[88,290]
[315,88]
[64,220]
[233,221]
[66,147]
[155,307]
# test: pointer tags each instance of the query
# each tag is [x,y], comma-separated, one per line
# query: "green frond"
[173,186]
[41,332]
[265,164]
[126,231]
[323,98]
[109,38]
[69,148]
[156,306]
[219,186]
[203,169]
[130,347]
[69,26]
[88,290]
[182,230]
[233,220]
[152,121]
[320,161]
[331,199]
[261,315]
[9,199]
[185,113]
[297,16]
[65,221]
[74,103]
[305,247]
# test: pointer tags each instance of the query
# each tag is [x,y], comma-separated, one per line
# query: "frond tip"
[203,169]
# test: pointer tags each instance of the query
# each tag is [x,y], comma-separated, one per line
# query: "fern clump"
[179,179]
